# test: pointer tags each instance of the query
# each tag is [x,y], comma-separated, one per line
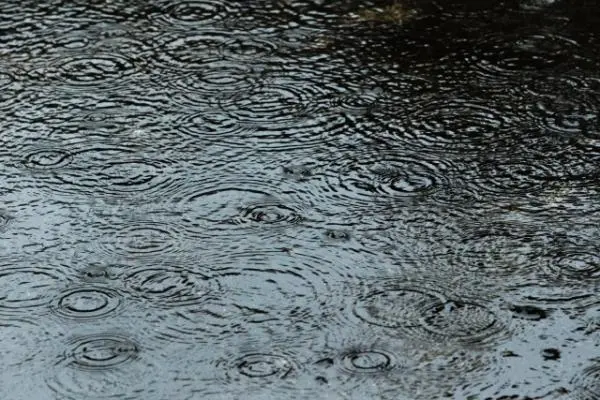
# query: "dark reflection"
[299,199]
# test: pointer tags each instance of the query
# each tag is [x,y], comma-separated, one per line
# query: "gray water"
[299,199]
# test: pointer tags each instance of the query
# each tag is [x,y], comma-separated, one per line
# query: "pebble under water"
[299,199]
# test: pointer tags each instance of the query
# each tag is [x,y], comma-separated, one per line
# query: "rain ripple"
[278,99]
[273,103]
[172,51]
[223,79]
[565,104]
[192,14]
[28,288]
[99,352]
[170,287]
[103,170]
[425,312]
[99,366]
[271,290]
[572,259]
[252,370]
[587,382]
[262,367]
[455,124]
[86,303]
[357,361]
[535,294]
[47,158]
[104,70]
[140,239]
[390,174]
[212,210]
[512,178]
[499,248]
[501,60]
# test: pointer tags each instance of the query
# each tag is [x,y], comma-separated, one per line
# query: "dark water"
[299,200]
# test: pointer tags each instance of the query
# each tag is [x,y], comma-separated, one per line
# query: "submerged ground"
[299,200]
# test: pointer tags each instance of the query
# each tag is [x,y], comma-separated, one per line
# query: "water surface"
[299,200]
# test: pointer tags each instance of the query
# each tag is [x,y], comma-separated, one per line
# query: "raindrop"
[339,235]
[101,273]
[5,219]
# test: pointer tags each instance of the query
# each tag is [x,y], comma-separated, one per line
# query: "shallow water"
[299,200]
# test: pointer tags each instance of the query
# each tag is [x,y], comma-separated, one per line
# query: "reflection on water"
[299,199]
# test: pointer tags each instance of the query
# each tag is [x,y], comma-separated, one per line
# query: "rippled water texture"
[299,199]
